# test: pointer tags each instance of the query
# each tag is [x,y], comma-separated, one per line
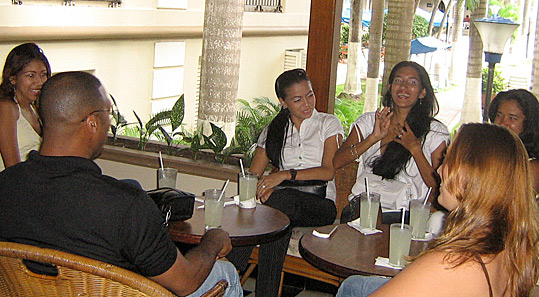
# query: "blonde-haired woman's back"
[489,244]
[432,275]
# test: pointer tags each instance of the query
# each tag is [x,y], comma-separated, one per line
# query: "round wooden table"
[245,226]
[348,252]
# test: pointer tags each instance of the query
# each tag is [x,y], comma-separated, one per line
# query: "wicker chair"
[77,276]
[294,263]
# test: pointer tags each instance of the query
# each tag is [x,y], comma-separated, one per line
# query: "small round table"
[245,226]
[348,252]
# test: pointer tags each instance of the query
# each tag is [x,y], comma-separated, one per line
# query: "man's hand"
[218,238]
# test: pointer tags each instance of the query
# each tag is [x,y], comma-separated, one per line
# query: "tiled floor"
[295,286]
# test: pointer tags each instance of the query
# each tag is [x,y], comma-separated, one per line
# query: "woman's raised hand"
[406,137]
[382,122]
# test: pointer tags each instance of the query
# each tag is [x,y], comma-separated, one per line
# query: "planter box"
[124,161]
[202,168]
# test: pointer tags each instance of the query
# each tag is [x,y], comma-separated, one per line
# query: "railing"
[264,5]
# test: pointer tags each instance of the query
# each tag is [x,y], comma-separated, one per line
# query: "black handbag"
[175,205]
[313,186]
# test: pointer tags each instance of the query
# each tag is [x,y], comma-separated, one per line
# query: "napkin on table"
[384,262]
[355,224]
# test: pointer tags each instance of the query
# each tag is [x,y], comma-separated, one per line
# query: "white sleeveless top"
[27,138]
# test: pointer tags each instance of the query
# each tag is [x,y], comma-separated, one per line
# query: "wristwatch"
[293,173]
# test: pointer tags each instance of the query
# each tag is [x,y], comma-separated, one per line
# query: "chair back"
[77,275]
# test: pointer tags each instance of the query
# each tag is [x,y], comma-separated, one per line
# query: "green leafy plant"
[508,11]
[148,129]
[498,82]
[118,121]
[215,142]
[420,28]
[250,121]
[345,31]
[347,111]
[176,118]
[155,125]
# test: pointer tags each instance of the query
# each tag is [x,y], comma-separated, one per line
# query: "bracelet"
[353,151]
[293,173]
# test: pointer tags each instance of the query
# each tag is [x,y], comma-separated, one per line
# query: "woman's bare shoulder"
[8,109]
[434,275]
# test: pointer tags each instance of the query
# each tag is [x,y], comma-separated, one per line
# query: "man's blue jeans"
[360,286]
[221,270]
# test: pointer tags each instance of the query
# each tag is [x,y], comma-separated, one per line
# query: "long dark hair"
[421,115]
[275,140]
[16,60]
[529,105]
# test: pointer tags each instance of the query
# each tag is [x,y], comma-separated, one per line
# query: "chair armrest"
[218,290]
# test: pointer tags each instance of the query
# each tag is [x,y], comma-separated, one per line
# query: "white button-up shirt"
[305,148]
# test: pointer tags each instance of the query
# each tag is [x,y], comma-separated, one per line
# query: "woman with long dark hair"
[25,71]
[402,141]
[300,144]
[489,246]
[518,111]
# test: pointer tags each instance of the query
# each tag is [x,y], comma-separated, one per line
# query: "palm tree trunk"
[221,41]
[352,85]
[535,69]
[400,18]
[444,19]
[454,70]
[433,15]
[525,7]
[471,109]
[520,45]
[375,49]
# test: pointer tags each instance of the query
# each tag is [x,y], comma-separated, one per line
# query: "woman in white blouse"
[300,144]
[402,141]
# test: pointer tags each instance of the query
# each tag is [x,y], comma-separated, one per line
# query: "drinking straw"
[427,196]
[161,160]
[223,190]
[369,202]
[403,215]
[241,166]
[367,188]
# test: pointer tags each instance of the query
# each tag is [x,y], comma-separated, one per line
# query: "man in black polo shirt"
[59,199]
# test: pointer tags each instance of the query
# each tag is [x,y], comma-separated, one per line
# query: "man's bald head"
[68,97]
[75,110]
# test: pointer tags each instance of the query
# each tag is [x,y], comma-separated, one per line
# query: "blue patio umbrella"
[424,45]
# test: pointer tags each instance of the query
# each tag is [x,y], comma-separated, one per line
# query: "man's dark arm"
[189,272]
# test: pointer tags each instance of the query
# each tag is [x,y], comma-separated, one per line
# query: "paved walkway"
[450,106]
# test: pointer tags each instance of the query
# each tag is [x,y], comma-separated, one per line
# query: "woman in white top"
[489,246]
[402,141]
[300,143]
[25,71]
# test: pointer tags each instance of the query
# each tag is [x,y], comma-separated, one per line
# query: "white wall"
[125,64]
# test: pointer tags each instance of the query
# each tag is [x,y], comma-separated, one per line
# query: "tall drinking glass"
[247,189]
[400,238]
[368,210]
[419,215]
[166,177]
[213,208]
